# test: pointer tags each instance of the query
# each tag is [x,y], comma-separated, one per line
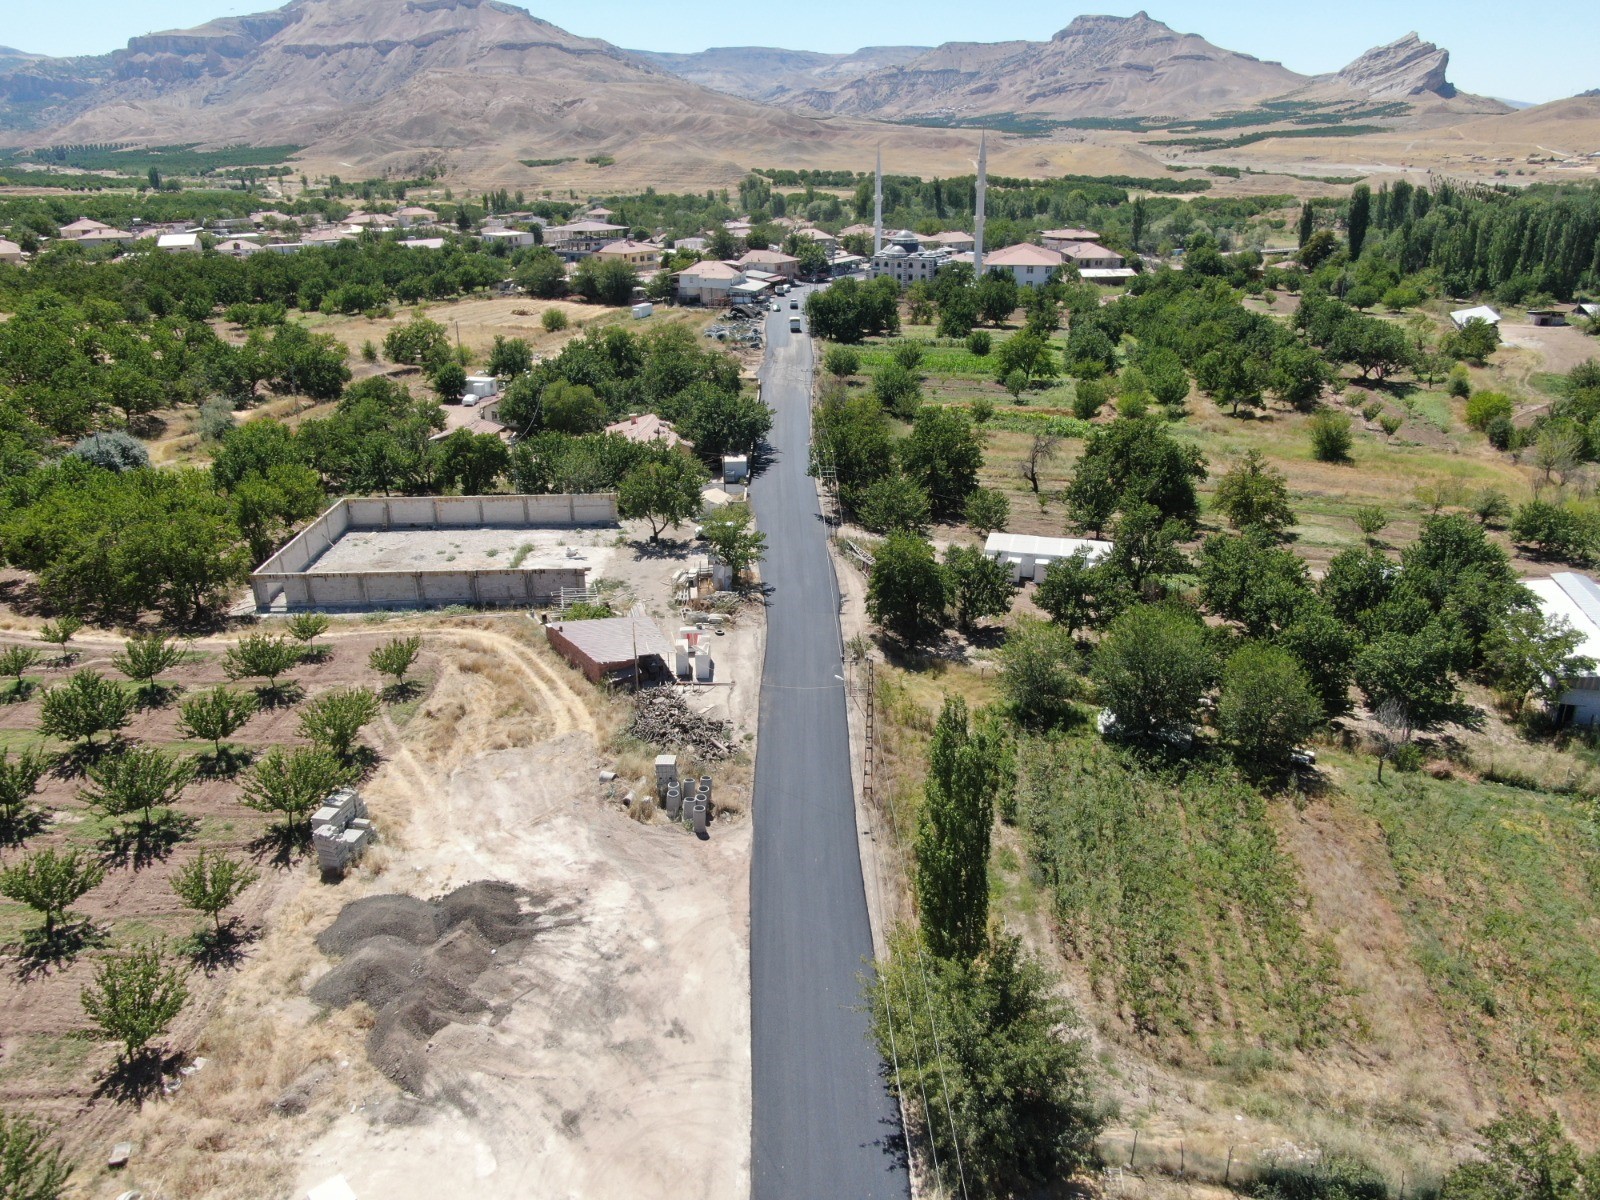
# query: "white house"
[1030,265]
[1575,599]
[414,214]
[515,238]
[1029,556]
[1482,313]
[422,243]
[709,282]
[1091,255]
[179,243]
[106,236]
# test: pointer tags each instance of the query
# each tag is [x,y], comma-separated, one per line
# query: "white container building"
[1030,556]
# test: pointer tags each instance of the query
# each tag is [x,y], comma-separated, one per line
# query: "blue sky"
[1520,51]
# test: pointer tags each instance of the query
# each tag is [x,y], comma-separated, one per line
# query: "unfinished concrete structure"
[613,647]
[433,551]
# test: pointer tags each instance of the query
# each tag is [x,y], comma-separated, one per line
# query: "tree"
[211,882]
[943,454]
[449,381]
[730,532]
[572,408]
[895,503]
[1267,706]
[1526,655]
[1151,669]
[17,661]
[721,422]
[987,511]
[216,714]
[1307,224]
[842,361]
[1247,579]
[1030,352]
[908,592]
[334,719]
[85,705]
[1077,593]
[260,656]
[1255,495]
[19,780]
[305,628]
[135,997]
[471,462]
[1324,648]
[510,356]
[59,632]
[50,882]
[141,780]
[553,320]
[953,833]
[605,282]
[294,783]
[418,342]
[1483,408]
[1038,672]
[542,274]
[30,1165]
[1144,551]
[1372,520]
[112,451]
[395,657]
[997,297]
[1553,531]
[1330,437]
[1297,375]
[979,585]
[1474,342]
[998,1046]
[897,389]
[1410,669]
[144,658]
[1134,461]
[1042,450]
[664,491]
[1358,219]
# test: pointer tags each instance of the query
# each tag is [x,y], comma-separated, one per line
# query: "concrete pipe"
[700,808]
[674,802]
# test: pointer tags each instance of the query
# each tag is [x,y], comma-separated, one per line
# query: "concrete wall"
[284,574]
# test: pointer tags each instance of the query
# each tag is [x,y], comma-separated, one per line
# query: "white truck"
[794,324]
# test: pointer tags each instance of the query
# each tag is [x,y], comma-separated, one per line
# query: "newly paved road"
[824,1126]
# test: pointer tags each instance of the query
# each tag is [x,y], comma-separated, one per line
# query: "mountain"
[768,74]
[472,88]
[1128,67]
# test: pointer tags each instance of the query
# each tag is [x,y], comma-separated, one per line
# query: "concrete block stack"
[340,830]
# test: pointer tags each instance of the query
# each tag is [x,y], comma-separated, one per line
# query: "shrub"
[1502,433]
[395,657]
[1459,384]
[979,342]
[142,780]
[59,632]
[305,628]
[841,361]
[1089,397]
[217,714]
[19,780]
[294,783]
[114,451]
[1486,407]
[214,419]
[210,883]
[261,657]
[908,354]
[1038,672]
[982,410]
[987,510]
[1371,520]
[30,1166]
[1330,437]
[1390,424]
[553,320]
[144,658]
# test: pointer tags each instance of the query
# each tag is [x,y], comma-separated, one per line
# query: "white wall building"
[906,267]
[1029,556]
[1575,599]
[1030,265]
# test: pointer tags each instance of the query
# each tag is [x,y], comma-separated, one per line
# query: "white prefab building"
[1482,313]
[179,243]
[1029,556]
[1575,599]
[481,387]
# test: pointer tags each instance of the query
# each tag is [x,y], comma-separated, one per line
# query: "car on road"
[776,307]
[794,324]
[794,304]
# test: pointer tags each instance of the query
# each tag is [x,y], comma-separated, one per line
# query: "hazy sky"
[1519,51]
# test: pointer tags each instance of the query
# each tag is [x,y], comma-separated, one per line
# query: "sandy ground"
[466,549]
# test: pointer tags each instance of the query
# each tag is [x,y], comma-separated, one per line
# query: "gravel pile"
[421,965]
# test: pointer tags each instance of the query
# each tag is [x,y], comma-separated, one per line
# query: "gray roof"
[617,639]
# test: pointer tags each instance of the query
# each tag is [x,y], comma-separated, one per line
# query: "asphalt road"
[824,1126]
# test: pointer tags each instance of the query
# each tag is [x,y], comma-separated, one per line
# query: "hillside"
[1105,67]
[769,74]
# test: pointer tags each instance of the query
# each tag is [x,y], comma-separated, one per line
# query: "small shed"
[735,468]
[481,387]
[1029,557]
[1482,312]
[641,311]
[613,646]
[1547,316]
[1575,599]
[1592,311]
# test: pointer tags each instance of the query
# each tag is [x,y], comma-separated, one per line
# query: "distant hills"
[773,76]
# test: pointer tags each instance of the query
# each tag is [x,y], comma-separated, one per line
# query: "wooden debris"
[662,718]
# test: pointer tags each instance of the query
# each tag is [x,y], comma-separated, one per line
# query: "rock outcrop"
[1401,70]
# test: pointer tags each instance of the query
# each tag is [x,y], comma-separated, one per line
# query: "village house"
[580,239]
[774,262]
[822,237]
[709,283]
[1090,256]
[435,243]
[516,239]
[1482,312]
[414,214]
[179,243]
[953,240]
[1575,599]
[82,227]
[646,428]
[1029,265]
[238,248]
[638,255]
[1060,239]
[10,252]
[106,237]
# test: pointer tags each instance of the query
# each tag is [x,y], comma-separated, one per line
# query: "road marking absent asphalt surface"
[824,1126]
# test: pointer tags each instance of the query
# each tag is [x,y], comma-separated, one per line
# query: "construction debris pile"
[422,965]
[662,717]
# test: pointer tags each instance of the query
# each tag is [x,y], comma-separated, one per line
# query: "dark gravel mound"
[421,965]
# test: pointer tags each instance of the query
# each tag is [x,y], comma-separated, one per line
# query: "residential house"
[415,214]
[822,237]
[10,252]
[1575,599]
[1030,265]
[81,227]
[774,262]
[953,240]
[598,213]
[709,283]
[641,256]
[580,239]
[436,243]
[1090,256]
[179,243]
[1546,316]
[858,228]
[516,239]
[106,237]
[238,248]
[646,428]
[696,245]
[1059,239]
